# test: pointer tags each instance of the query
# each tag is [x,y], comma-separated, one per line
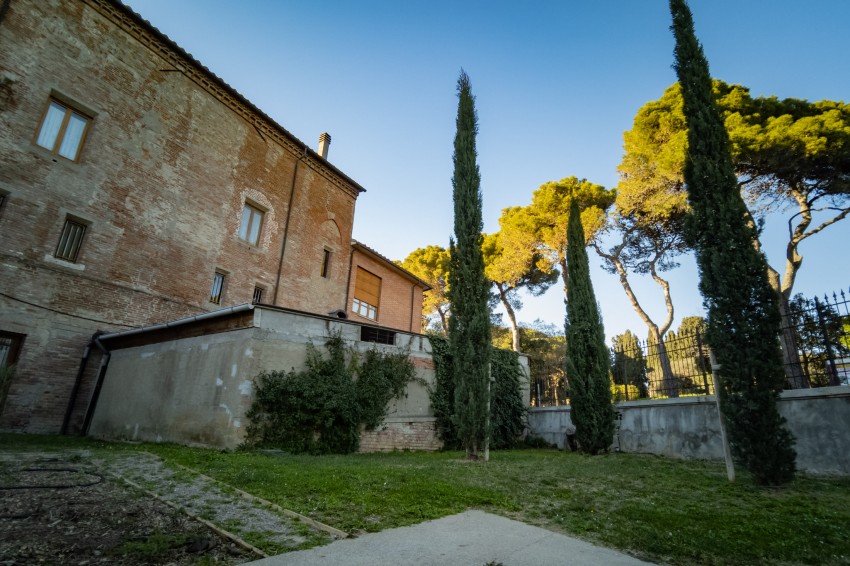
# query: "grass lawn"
[658,509]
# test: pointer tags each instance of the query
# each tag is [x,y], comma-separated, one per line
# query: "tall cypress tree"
[587,356]
[743,317]
[469,325]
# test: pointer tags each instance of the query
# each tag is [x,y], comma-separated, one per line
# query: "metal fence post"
[702,362]
[625,375]
[833,372]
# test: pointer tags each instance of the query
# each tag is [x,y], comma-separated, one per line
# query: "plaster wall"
[820,421]
[190,391]
[688,427]
[197,390]
[550,424]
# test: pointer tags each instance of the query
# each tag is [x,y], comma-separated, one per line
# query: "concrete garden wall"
[197,390]
[688,427]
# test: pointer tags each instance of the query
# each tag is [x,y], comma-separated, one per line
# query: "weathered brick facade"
[170,158]
[394,434]
[401,292]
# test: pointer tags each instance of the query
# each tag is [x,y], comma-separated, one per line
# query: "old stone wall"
[168,162]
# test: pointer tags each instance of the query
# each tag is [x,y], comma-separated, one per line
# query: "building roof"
[126,18]
[366,250]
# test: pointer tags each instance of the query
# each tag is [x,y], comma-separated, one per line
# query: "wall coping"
[815,393]
[691,400]
[548,409]
[787,395]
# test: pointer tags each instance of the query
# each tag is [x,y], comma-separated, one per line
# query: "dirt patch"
[72,508]
[73,515]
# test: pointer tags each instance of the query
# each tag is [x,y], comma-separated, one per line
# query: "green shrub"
[618,393]
[321,409]
[442,393]
[507,407]
[381,377]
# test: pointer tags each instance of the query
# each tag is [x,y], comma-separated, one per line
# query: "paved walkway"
[472,538]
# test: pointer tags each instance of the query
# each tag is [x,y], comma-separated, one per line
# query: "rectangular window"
[217,288]
[258,295]
[326,263]
[365,309]
[377,335]
[367,294]
[10,347]
[62,130]
[71,240]
[252,222]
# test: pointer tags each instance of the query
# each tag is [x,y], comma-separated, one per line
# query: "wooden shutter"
[367,287]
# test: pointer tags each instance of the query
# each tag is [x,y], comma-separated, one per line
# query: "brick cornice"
[146,34]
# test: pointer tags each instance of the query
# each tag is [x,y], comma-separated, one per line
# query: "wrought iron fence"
[548,383]
[815,343]
[649,369]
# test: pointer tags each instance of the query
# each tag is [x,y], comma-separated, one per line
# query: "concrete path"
[472,538]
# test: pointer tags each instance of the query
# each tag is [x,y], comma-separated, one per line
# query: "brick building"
[136,187]
[382,292]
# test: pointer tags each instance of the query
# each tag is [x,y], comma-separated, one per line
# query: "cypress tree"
[743,316]
[469,325]
[587,356]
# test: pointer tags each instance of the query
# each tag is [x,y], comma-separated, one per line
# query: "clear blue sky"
[557,83]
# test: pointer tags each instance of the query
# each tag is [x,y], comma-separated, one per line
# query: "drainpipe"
[76,389]
[348,281]
[286,228]
[104,363]
[412,300]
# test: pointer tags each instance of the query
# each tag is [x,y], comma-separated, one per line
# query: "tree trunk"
[563,264]
[668,380]
[503,296]
[794,373]
[669,385]
[790,352]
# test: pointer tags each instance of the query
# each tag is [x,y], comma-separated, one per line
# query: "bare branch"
[844,213]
